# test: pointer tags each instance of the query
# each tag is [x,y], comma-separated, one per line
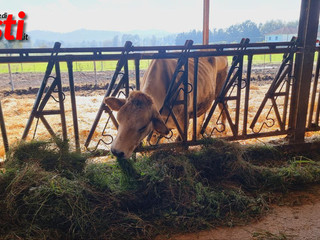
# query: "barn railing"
[235,93]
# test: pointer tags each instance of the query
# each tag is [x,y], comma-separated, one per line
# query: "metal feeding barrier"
[236,85]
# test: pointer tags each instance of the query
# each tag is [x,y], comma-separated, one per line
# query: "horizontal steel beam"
[99,50]
[134,56]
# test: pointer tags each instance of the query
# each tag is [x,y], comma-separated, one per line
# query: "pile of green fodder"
[47,192]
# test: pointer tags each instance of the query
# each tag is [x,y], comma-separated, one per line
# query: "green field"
[77,66]
[110,65]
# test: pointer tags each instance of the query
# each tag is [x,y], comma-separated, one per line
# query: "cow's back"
[211,76]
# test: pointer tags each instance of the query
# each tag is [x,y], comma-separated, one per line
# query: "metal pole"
[238,100]
[10,76]
[73,106]
[195,96]
[95,73]
[307,35]
[247,93]
[3,131]
[185,98]
[314,92]
[61,102]
[205,39]
[137,68]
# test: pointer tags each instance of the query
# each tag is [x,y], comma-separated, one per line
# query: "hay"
[51,155]
[48,192]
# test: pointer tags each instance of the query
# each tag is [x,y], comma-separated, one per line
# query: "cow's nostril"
[117,153]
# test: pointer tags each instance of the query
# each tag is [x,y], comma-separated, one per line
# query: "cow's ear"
[114,103]
[158,124]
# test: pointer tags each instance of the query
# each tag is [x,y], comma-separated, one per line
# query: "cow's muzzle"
[117,153]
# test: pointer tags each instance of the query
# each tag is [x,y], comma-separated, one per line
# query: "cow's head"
[137,117]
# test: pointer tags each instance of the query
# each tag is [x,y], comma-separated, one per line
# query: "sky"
[126,15]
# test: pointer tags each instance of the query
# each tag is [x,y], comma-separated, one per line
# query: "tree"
[247,29]
[271,26]
[135,39]
[219,36]
[294,24]
[250,30]
[125,37]
[194,35]
[115,41]
[154,40]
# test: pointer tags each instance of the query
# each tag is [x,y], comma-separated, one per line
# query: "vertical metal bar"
[3,131]
[247,93]
[61,102]
[238,101]
[318,107]
[298,64]
[205,39]
[307,34]
[126,74]
[137,68]
[10,77]
[41,90]
[314,92]
[185,98]
[286,98]
[73,106]
[95,73]
[195,97]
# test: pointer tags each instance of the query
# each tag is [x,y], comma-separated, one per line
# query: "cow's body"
[212,73]
[141,110]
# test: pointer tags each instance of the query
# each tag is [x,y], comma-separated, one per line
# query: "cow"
[138,115]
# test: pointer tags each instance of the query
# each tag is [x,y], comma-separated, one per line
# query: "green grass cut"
[48,192]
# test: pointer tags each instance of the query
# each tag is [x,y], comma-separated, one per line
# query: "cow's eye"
[141,130]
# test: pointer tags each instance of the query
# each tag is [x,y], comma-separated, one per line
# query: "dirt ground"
[27,81]
[297,219]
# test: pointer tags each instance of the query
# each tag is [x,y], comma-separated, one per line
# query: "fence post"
[3,131]
[10,77]
[95,73]
[307,35]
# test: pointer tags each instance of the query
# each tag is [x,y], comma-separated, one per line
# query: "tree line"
[234,33]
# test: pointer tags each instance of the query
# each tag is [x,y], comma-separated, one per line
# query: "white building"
[281,35]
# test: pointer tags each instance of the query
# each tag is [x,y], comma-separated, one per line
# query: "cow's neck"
[157,80]
[158,95]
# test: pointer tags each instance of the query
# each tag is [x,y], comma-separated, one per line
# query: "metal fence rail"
[237,88]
